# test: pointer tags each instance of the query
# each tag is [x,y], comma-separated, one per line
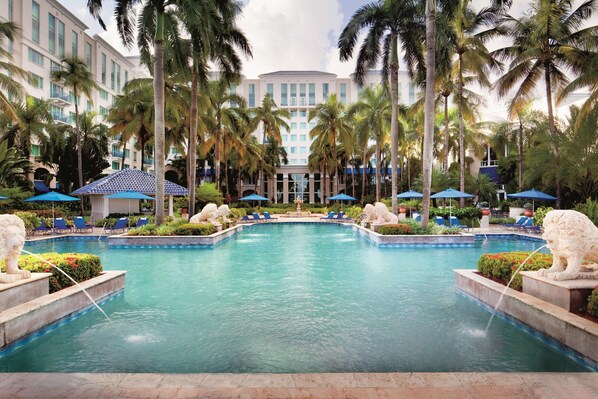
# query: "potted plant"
[528,210]
[402,207]
[485,208]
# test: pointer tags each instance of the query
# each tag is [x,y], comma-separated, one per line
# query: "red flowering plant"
[501,266]
[80,267]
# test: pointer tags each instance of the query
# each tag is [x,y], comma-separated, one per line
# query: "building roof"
[296,73]
[129,179]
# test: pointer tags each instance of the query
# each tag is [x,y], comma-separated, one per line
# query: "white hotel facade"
[49,31]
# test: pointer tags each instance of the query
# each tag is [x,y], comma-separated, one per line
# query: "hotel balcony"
[60,99]
[117,154]
[62,119]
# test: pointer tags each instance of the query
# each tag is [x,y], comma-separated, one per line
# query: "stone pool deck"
[325,385]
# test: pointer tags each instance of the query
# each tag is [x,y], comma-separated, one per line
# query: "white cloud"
[288,34]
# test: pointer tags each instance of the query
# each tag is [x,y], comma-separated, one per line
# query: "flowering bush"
[30,219]
[593,303]
[395,229]
[80,267]
[501,266]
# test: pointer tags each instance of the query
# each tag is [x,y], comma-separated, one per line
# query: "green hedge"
[593,303]
[195,229]
[469,212]
[80,267]
[395,229]
[501,220]
[500,266]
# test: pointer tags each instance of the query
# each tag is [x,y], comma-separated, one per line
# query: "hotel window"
[103,94]
[285,137]
[88,55]
[51,33]
[39,81]
[35,22]
[283,94]
[134,155]
[60,39]
[293,150]
[10,10]
[127,153]
[293,125]
[270,90]
[75,44]
[88,106]
[294,113]
[35,150]
[303,150]
[303,137]
[411,93]
[302,125]
[103,111]
[251,95]
[115,165]
[343,92]
[112,73]
[325,91]
[303,161]
[303,113]
[293,94]
[103,68]
[293,137]
[118,77]
[35,57]
[302,88]
[312,94]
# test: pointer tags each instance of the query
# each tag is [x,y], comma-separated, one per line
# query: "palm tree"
[588,77]
[13,166]
[388,21]
[75,75]
[33,119]
[375,110]
[332,126]
[548,41]
[213,37]
[272,119]
[10,90]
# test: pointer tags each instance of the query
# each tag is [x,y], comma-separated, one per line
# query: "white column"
[106,208]
[170,206]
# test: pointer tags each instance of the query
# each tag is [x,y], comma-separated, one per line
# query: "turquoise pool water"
[288,298]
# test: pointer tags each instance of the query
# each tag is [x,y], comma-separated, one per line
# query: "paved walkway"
[341,385]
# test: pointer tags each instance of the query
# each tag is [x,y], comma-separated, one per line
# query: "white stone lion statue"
[212,213]
[571,237]
[12,240]
[207,213]
[378,214]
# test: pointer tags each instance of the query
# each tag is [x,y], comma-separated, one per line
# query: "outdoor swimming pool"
[288,298]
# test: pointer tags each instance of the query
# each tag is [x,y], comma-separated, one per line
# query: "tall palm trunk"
[378,173]
[239,193]
[446,135]
[122,159]
[460,85]
[520,154]
[553,133]
[159,115]
[192,142]
[142,146]
[394,123]
[428,142]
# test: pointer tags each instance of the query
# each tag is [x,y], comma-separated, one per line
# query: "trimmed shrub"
[540,214]
[194,229]
[593,303]
[238,213]
[501,220]
[30,219]
[147,230]
[502,265]
[353,211]
[80,267]
[395,229]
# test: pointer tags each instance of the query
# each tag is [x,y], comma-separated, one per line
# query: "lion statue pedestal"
[571,237]
[378,214]
[211,213]
[12,240]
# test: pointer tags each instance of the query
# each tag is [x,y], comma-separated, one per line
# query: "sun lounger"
[246,218]
[329,217]
[42,228]
[440,220]
[81,226]
[257,217]
[121,226]
[60,226]
[142,222]
[519,222]
[454,222]
[268,217]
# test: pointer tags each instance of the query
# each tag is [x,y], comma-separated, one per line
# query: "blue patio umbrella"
[52,197]
[254,197]
[451,193]
[408,195]
[129,195]
[533,194]
[341,197]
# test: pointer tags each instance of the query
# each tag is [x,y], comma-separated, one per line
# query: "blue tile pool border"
[58,323]
[551,342]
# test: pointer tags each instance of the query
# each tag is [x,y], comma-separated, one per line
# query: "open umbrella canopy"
[129,194]
[3,197]
[253,197]
[342,197]
[410,194]
[532,194]
[451,193]
[52,196]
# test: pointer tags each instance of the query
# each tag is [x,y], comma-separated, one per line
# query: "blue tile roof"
[129,179]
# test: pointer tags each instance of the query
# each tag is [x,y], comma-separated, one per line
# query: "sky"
[289,34]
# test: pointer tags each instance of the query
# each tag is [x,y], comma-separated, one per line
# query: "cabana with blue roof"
[125,180]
